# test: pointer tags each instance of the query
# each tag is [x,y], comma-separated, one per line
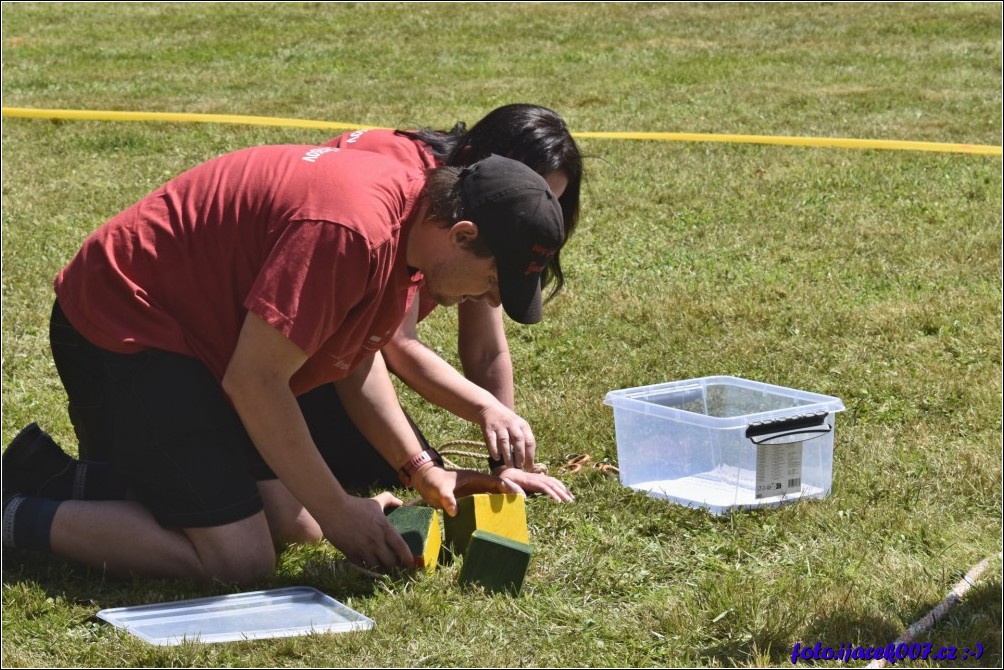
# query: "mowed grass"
[873,276]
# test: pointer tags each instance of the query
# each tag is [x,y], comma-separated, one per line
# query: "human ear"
[464,232]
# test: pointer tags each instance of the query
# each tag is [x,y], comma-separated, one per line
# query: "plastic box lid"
[297,610]
[721,401]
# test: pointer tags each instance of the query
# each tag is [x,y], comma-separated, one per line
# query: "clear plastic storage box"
[725,443]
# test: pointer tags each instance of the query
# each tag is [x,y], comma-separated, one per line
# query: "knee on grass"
[301,529]
[244,568]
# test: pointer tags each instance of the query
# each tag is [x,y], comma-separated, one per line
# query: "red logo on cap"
[537,265]
[541,250]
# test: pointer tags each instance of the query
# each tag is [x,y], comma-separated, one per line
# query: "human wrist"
[486,404]
[336,503]
[418,463]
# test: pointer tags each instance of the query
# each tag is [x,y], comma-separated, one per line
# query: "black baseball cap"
[521,222]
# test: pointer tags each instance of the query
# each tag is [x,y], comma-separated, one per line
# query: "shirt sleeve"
[315,274]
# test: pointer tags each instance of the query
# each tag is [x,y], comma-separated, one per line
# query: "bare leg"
[123,538]
[287,519]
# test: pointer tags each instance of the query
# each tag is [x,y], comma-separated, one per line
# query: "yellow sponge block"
[419,526]
[497,513]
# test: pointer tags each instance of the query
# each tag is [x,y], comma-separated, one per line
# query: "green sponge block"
[499,513]
[419,526]
[497,563]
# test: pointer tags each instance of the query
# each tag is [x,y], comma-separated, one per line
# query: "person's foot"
[34,464]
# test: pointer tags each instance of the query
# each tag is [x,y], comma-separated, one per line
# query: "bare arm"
[484,350]
[507,435]
[257,381]
[486,396]
[484,354]
[371,402]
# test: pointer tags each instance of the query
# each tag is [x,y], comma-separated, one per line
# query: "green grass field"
[873,276]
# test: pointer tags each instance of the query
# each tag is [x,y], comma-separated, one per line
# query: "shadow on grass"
[748,649]
[975,619]
[38,574]
[970,625]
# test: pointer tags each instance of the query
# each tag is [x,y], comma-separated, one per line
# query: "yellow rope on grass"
[825,142]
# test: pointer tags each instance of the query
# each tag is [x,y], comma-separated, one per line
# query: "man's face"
[459,275]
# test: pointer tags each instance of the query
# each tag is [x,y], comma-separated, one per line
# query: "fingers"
[553,488]
[507,486]
[367,538]
[402,553]
[508,436]
[491,439]
[448,499]
[508,445]
[470,482]
[529,449]
[388,552]
[436,487]
[522,446]
[514,445]
[533,482]
[505,447]
[387,500]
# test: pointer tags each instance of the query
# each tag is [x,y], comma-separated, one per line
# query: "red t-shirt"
[411,152]
[310,239]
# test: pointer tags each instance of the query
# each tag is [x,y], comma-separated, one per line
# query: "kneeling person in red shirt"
[186,326]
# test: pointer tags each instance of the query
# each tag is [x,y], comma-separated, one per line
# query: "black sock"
[27,522]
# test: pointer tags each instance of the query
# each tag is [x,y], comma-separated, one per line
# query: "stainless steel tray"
[297,610]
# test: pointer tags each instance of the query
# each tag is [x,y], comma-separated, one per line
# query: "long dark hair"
[533,135]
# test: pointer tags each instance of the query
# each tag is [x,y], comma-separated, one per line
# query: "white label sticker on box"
[778,469]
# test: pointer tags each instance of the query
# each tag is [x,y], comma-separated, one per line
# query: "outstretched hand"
[441,488]
[538,482]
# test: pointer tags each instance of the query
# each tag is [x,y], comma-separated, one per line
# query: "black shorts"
[355,463]
[163,423]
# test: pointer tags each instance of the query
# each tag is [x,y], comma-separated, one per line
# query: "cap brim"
[521,298]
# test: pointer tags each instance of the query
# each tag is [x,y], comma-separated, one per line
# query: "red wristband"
[408,470]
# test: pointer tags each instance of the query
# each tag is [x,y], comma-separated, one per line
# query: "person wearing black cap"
[185,326]
[519,225]
[485,392]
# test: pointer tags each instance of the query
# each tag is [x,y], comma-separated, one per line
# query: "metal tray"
[286,612]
